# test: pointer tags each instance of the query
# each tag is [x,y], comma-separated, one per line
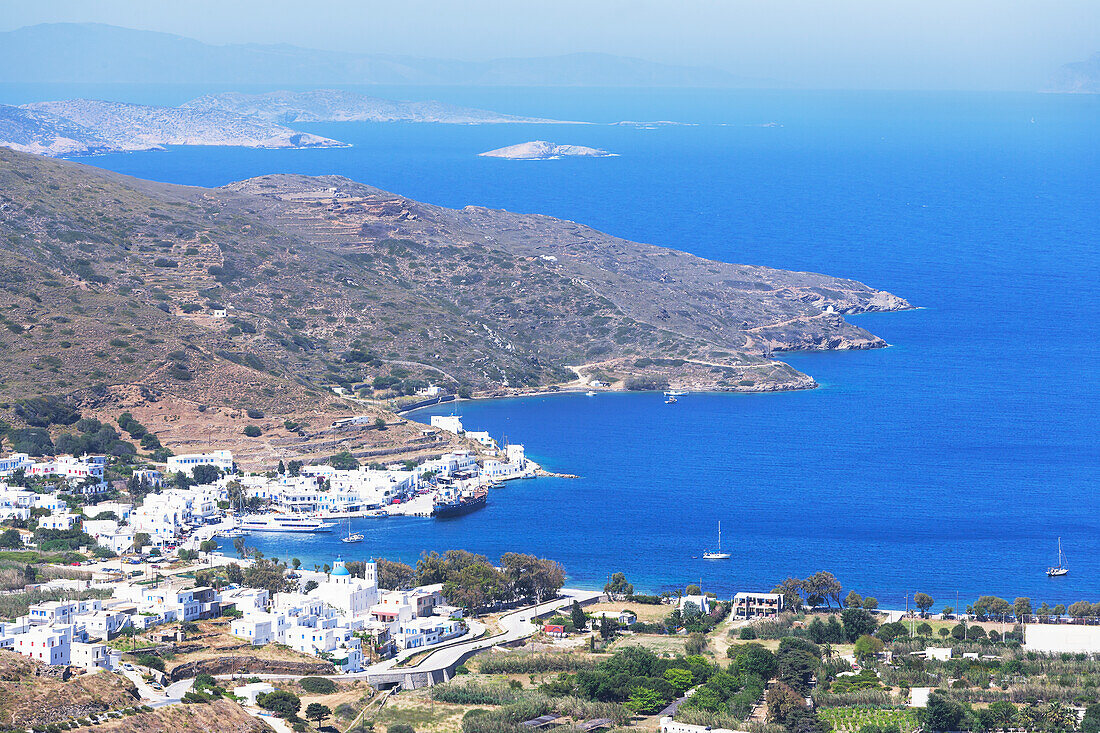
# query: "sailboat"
[1061,569]
[352,536]
[717,554]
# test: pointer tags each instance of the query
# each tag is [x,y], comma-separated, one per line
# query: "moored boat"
[462,504]
[284,523]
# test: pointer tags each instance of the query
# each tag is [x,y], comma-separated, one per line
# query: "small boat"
[352,536]
[1061,569]
[674,393]
[671,400]
[717,554]
[589,393]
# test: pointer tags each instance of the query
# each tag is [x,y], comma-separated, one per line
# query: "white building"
[450,423]
[14,462]
[222,459]
[60,521]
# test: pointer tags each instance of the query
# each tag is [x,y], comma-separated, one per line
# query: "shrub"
[252,431]
[317,685]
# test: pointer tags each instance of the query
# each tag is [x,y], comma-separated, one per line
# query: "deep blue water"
[947,463]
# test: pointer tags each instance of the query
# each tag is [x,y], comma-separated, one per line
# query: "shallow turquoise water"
[947,463]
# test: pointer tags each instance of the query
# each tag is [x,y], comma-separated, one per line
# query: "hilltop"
[334,105]
[192,306]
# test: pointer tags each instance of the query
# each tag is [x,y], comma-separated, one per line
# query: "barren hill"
[117,287]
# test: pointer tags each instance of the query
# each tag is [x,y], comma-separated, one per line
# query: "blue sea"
[949,463]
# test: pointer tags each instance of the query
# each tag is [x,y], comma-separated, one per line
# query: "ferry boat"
[460,504]
[1061,570]
[284,523]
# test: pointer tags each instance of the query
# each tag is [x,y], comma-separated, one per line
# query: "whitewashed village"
[193,499]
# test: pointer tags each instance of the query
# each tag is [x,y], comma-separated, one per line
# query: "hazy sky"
[938,44]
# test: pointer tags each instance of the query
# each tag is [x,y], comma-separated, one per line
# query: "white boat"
[671,400]
[717,554]
[674,393]
[1061,569]
[284,523]
[589,393]
[352,536]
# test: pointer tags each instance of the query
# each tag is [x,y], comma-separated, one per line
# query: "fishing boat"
[1061,569]
[589,393]
[460,504]
[352,536]
[284,523]
[717,554]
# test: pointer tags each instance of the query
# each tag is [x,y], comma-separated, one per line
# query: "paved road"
[515,626]
[154,699]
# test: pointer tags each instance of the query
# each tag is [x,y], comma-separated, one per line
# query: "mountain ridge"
[100,53]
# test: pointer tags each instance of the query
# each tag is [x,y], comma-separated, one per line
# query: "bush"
[252,431]
[400,728]
[317,685]
[255,414]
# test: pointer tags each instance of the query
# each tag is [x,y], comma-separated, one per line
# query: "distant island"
[1080,77]
[542,150]
[87,127]
[334,105]
[91,127]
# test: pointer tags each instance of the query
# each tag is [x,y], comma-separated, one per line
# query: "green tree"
[576,614]
[943,713]
[1002,714]
[11,538]
[857,622]
[853,600]
[284,704]
[252,431]
[208,545]
[1021,609]
[607,628]
[618,588]
[924,629]
[681,679]
[867,647]
[317,711]
[870,603]
[923,601]
[141,539]
[693,590]
[644,701]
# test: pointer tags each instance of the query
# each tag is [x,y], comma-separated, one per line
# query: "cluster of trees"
[820,589]
[55,540]
[636,677]
[853,623]
[796,661]
[94,437]
[945,713]
[471,581]
[264,572]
